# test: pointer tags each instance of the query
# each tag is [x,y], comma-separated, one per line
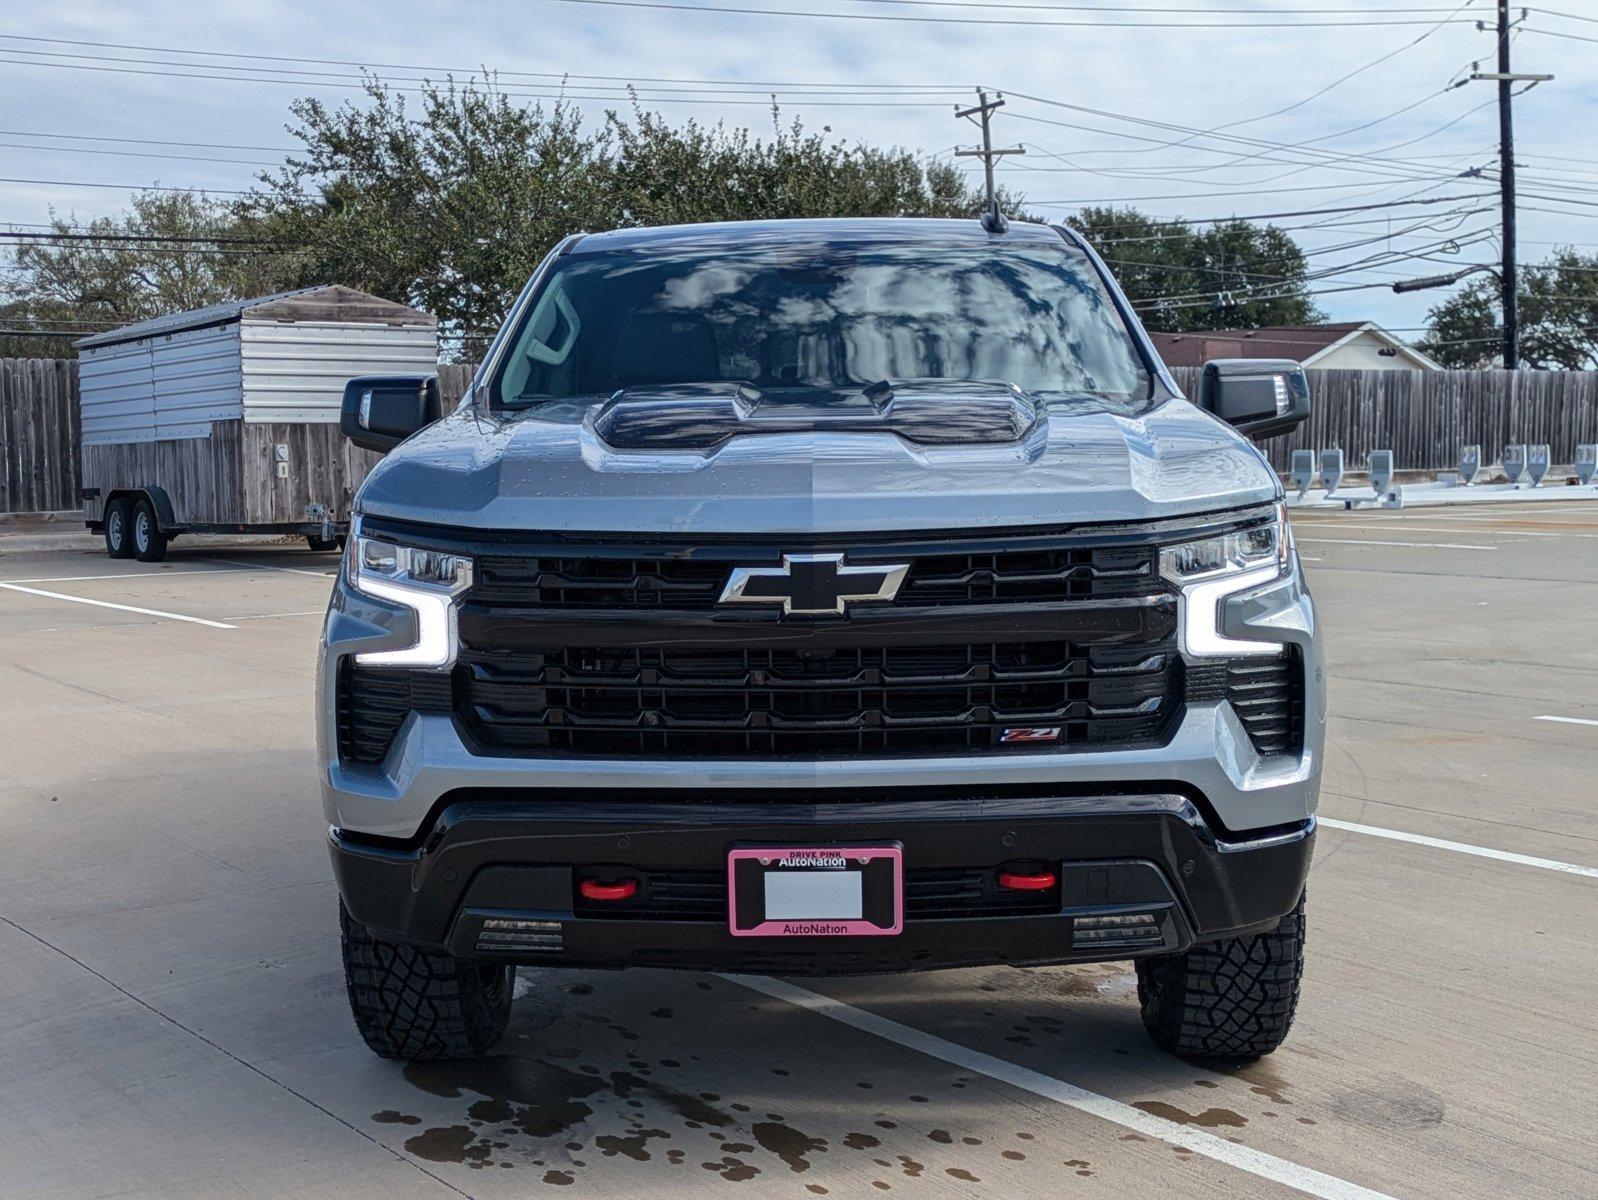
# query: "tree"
[451,208]
[116,270]
[1558,309]
[1232,275]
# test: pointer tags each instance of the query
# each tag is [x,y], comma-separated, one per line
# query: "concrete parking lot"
[173,1021]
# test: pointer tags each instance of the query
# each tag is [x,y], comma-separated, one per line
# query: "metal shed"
[225,418]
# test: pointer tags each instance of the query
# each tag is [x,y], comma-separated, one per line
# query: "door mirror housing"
[1257,396]
[381,411]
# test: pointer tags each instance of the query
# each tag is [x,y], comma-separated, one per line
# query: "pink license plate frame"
[777,857]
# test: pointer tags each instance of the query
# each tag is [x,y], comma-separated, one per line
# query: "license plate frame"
[878,868]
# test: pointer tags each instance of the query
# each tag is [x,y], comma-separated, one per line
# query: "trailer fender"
[165,516]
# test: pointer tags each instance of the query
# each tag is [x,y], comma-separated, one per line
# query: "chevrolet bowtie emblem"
[813,584]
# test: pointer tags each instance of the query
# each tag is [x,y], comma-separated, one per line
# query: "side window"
[542,364]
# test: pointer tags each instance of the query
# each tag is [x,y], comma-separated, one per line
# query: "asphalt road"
[173,1023]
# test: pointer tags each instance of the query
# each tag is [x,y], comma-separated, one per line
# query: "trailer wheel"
[149,543]
[118,542]
[321,543]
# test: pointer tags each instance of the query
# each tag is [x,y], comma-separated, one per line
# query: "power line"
[126,187]
[1361,18]
[84,137]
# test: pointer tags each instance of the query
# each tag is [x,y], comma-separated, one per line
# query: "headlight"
[425,581]
[1211,569]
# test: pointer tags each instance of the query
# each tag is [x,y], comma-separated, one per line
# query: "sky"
[1200,109]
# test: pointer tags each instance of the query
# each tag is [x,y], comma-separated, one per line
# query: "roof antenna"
[993,219]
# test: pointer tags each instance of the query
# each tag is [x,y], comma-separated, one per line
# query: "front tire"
[411,1003]
[1231,1000]
[149,542]
[323,544]
[118,538]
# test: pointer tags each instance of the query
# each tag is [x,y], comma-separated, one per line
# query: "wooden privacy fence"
[39,435]
[1424,417]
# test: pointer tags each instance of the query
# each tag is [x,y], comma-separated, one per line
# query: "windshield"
[820,323]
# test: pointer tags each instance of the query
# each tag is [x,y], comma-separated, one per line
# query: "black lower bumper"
[496,876]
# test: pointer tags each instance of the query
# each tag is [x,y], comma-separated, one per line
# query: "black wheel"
[118,535]
[322,543]
[149,543]
[1232,999]
[411,1003]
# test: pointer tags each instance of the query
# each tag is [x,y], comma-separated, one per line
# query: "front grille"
[930,894]
[694,582]
[1031,642]
[1267,693]
[705,702]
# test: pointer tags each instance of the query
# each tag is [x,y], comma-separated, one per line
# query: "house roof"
[355,306]
[1304,343]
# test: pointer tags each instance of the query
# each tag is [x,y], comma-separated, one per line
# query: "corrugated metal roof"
[211,314]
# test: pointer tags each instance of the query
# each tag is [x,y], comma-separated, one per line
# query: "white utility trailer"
[226,419]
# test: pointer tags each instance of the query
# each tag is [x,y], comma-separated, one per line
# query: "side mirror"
[1256,396]
[381,411]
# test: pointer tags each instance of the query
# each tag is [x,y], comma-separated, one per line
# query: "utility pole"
[992,220]
[1506,80]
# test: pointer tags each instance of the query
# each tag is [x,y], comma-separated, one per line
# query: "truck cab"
[817,597]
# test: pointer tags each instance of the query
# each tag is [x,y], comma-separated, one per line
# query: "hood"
[1080,461]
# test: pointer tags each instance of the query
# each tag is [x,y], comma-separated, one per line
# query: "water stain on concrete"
[1210,1118]
[912,1168]
[389,1117]
[559,1177]
[732,1169]
[861,1141]
[787,1143]
[942,1136]
[633,1146]
[451,1144]
[961,1174]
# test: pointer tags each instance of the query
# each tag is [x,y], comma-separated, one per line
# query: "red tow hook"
[593,889]
[1027,881]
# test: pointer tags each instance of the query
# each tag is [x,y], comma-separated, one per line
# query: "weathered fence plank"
[39,435]
[1423,417]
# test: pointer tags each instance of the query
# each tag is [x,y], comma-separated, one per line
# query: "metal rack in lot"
[1525,468]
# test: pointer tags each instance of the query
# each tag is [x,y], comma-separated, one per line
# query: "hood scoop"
[928,412]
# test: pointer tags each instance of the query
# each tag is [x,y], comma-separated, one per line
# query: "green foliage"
[1174,273]
[452,208]
[1558,308]
[448,204]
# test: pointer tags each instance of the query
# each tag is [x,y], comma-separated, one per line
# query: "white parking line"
[1406,527]
[147,612]
[129,575]
[1397,835]
[284,570]
[1416,545]
[1569,720]
[1255,1162]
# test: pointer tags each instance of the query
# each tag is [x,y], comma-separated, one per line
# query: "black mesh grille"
[694,583]
[930,893]
[695,702]
[373,704]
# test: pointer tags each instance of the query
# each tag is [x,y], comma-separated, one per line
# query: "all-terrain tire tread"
[1232,999]
[411,1003]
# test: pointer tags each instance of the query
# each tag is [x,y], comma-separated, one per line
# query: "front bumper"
[514,860]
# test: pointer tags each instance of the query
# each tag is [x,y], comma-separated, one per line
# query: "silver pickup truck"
[822,597]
